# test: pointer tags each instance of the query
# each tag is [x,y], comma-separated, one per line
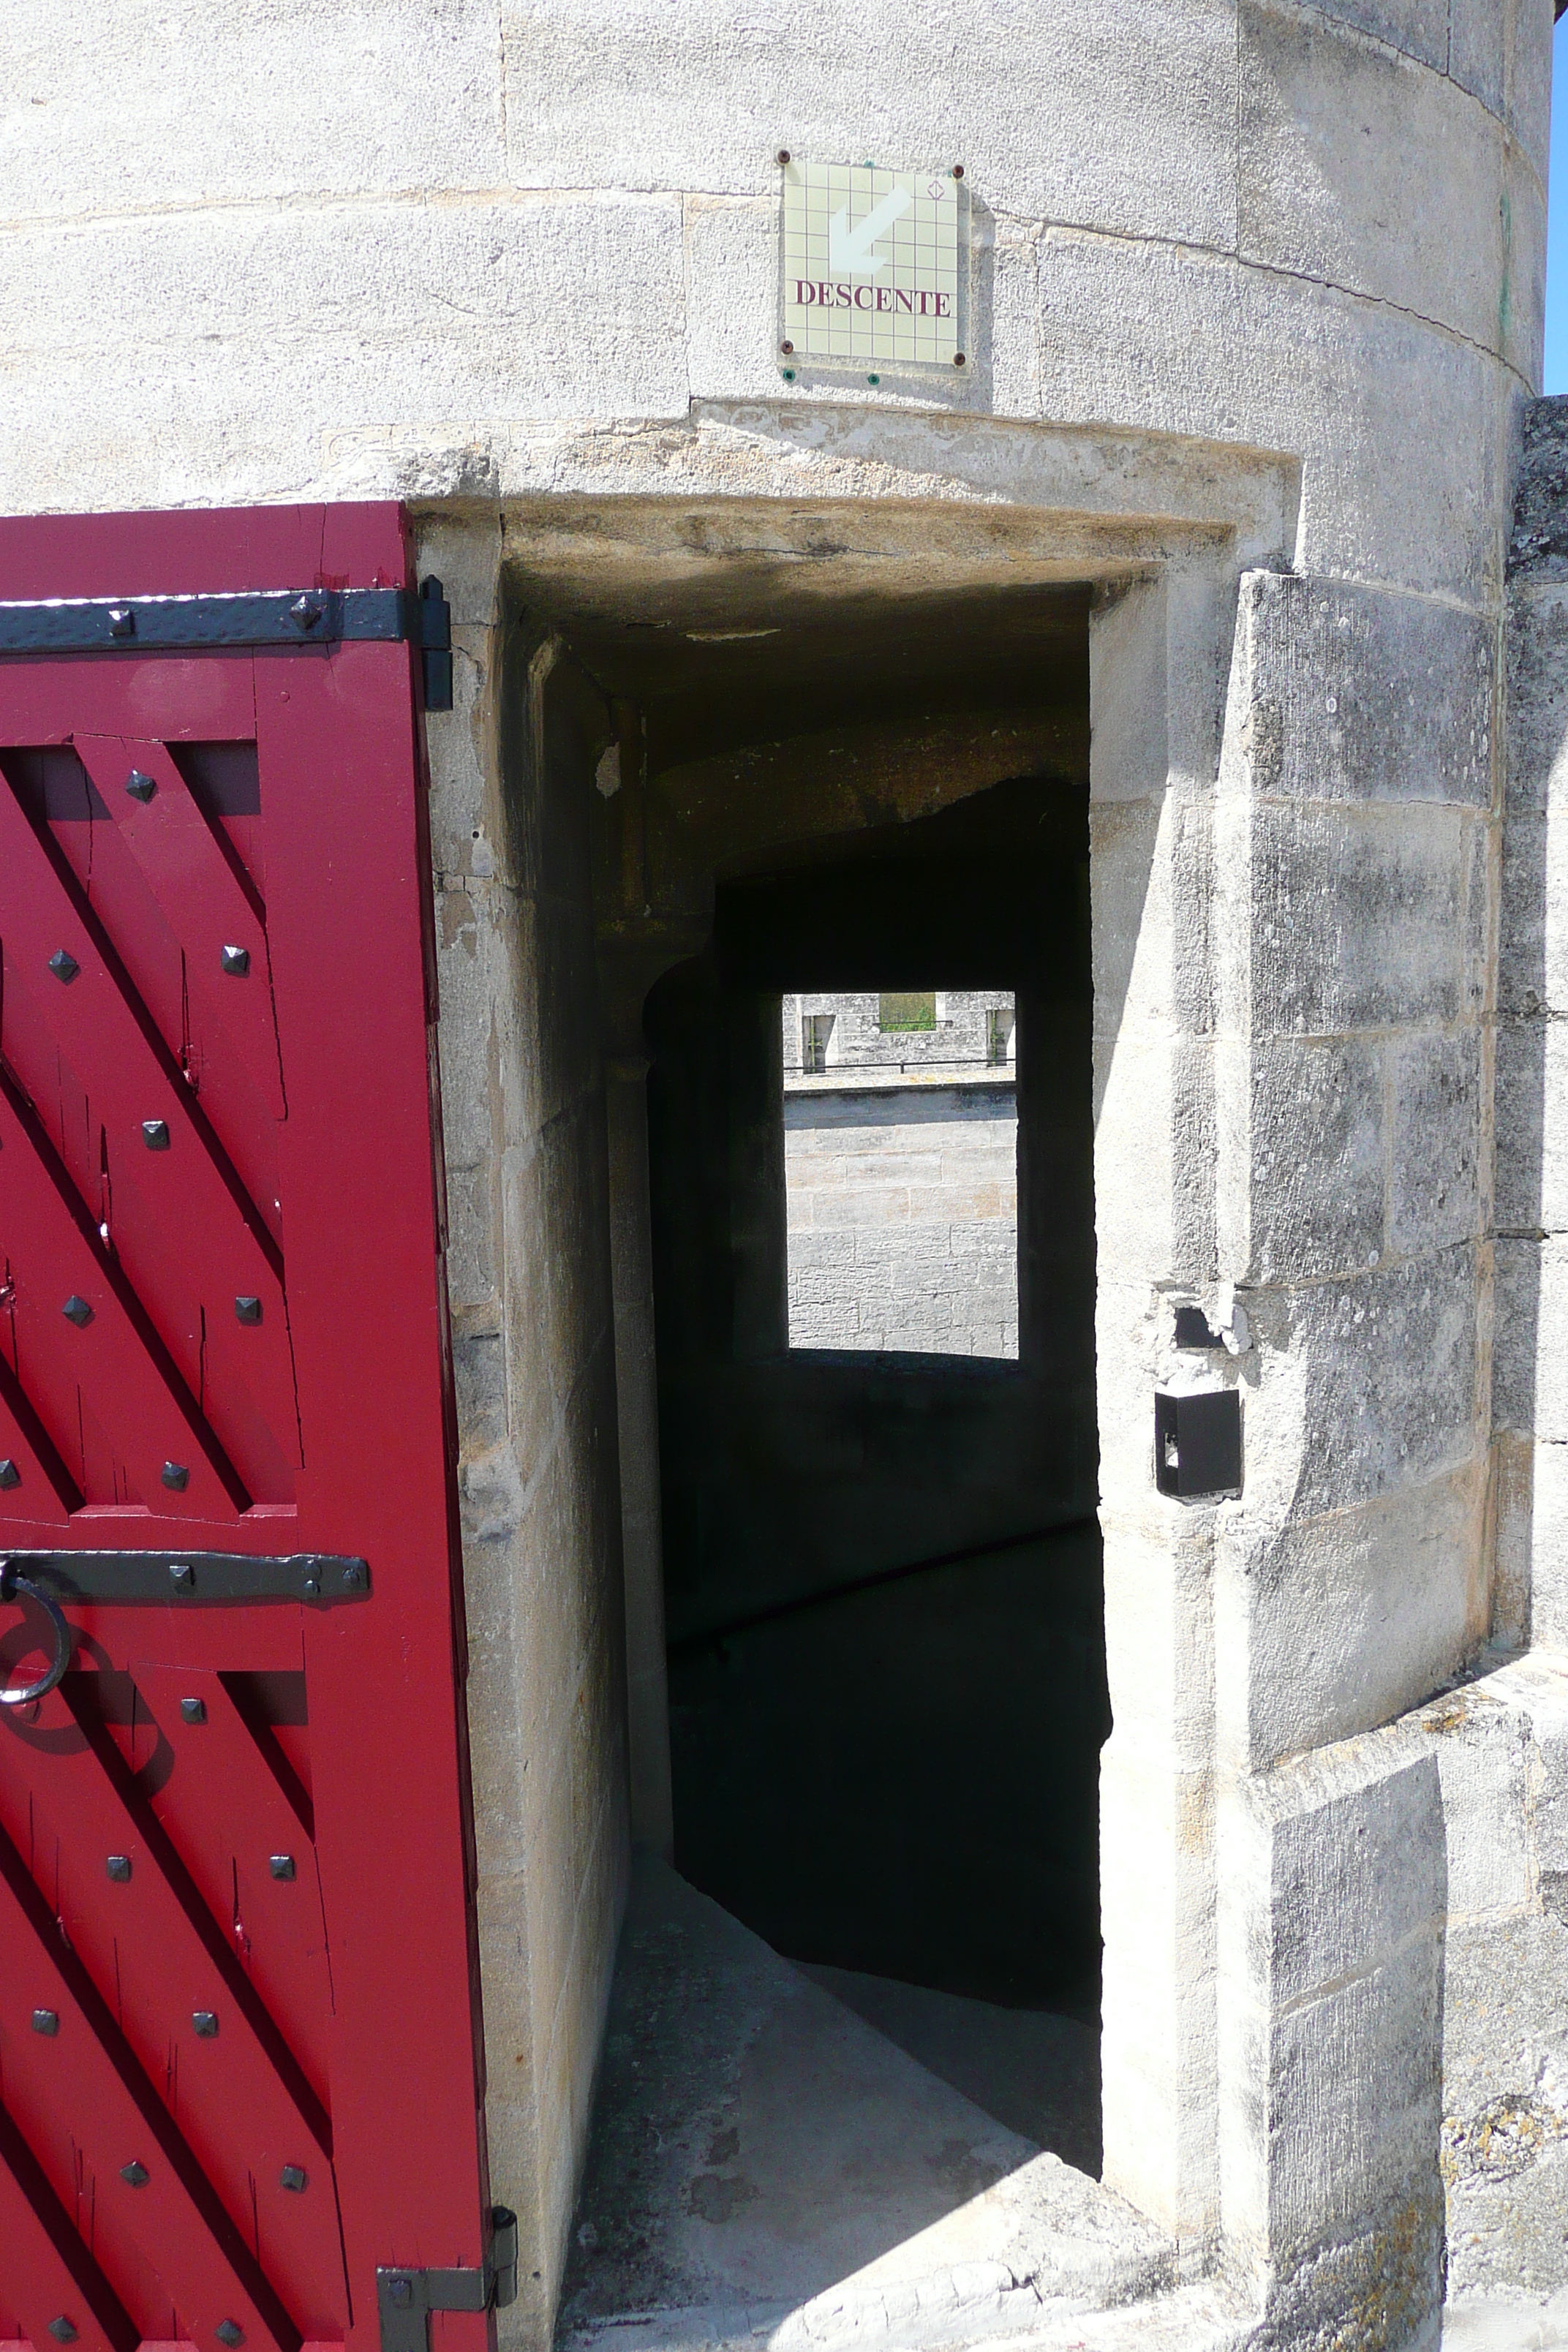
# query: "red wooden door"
[239,2071]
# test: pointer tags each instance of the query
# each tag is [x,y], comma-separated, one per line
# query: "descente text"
[916,303]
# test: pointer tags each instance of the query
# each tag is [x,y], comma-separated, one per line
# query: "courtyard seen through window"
[901,1152]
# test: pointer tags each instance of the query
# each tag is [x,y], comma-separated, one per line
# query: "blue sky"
[1556,377]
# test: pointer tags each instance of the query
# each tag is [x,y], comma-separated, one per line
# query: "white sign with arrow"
[873,268]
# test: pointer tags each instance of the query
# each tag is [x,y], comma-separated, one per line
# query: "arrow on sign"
[849,250]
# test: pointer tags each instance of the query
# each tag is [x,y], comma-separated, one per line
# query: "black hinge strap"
[126,1579]
[293,617]
[406,2299]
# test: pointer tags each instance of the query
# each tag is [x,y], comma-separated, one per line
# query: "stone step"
[765,2166]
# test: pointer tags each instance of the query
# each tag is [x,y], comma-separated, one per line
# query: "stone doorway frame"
[1164,528]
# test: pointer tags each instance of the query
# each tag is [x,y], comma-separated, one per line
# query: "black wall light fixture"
[1197,1443]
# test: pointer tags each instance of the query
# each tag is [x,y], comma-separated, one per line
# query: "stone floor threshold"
[766,2168]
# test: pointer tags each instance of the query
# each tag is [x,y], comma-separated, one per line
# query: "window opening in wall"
[901,1160]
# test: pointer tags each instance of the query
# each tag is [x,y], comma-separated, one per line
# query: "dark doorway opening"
[883,1572]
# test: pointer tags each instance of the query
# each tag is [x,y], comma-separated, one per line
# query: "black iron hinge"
[294,617]
[406,2299]
[128,1579]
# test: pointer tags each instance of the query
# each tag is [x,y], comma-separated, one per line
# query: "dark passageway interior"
[882,1580]
[881,1569]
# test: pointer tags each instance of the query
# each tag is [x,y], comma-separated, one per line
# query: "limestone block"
[1128,656]
[1358,695]
[1157,1875]
[1481,1745]
[651,97]
[1364,1386]
[1316,1157]
[1434,1182]
[1130,852]
[463,808]
[1480,38]
[1007,346]
[146,106]
[466,944]
[1360,168]
[1514,1475]
[1359,916]
[1480,859]
[1135,1206]
[1531,1117]
[1356,1865]
[1333,1626]
[1538,545]
[1505,2107]
[1158,1616]
[1189,342]
[1536,740]
[478,1363]
[274,327]
[1418,28]
[731,246]
[1354,2097]
[1533,966]
[1522,301]
[1332,1879]
[1527,107]
[1531,1374]
[464,550]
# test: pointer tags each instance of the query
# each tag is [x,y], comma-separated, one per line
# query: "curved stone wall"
[269,254]
[1258,290]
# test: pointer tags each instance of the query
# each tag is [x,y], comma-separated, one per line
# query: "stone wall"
[529,1278]
[498,250]
[902,1216]
[1258,292]
[1530,1402]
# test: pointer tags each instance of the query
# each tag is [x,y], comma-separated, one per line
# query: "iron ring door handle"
[11,1585]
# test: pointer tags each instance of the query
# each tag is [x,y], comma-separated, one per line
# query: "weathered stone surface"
[528,1280]
[1330,2014]
[673,101]
[1359,916]
[1357,695]
[1183,341]
[1523,222]
[1527,101]
[1529,1382]
[1328,129]
[1435,1194]
[1418,28]
[1538,549]
[1333,1626]
[1505,2128]
[1367,1385]
[1532,1121]
[1533,975]
[232,106]
[1317,1158]
[336,293]
[763,2158]
[1536,743]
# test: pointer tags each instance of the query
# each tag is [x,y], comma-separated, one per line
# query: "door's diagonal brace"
[406,2299]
